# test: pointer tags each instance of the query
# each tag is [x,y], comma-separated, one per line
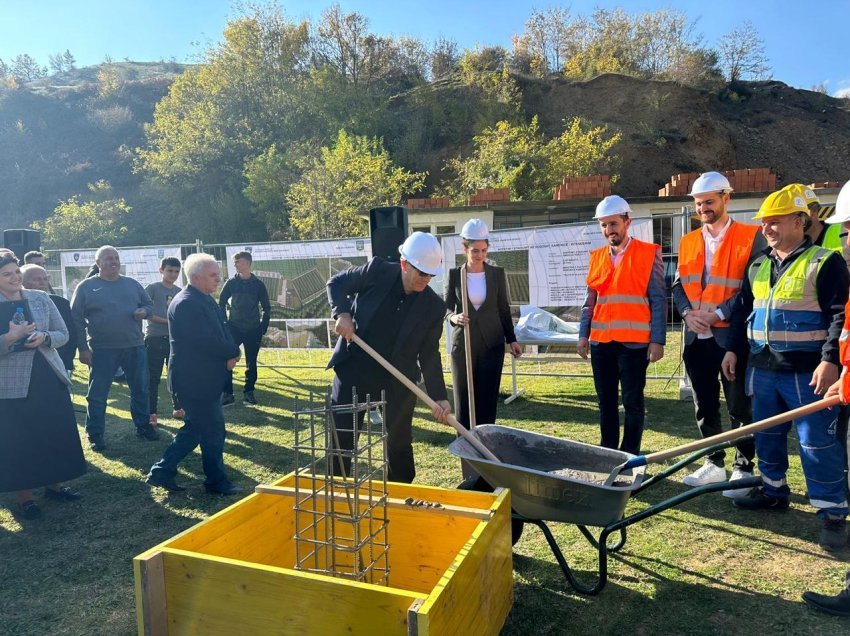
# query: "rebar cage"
[341,489]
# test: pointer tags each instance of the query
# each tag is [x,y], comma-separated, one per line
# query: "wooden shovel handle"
[423,396]
[738,433]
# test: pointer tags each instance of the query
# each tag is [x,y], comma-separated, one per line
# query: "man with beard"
[623,322]
[712,263]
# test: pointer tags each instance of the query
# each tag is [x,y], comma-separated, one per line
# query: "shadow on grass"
[680,601]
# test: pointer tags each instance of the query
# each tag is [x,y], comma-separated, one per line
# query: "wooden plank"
[151,607]
[213,596]
[476,594]
[392,502]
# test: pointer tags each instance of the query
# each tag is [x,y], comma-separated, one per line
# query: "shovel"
[424,397]
[643,460]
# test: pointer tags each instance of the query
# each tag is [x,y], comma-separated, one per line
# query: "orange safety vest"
[844,348]
[728,267]
[622,310]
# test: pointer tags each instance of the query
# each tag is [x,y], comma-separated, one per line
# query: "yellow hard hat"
[804,191]
[781,203]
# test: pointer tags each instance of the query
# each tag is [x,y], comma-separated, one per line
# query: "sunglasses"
[421,273]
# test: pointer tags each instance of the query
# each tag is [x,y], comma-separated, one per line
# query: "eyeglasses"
[421,273]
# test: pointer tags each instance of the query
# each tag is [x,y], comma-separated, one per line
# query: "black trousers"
[616,366]
[702,362]
[487,363]
[250,341]
[398,418]
[158,350]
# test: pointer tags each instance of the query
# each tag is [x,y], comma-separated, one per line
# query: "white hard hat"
[710,182]
[475,230]
[423,251]
[612,206]
[842,206]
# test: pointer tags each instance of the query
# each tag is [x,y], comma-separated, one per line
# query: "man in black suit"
[202,354]
[35,277]
[391,307]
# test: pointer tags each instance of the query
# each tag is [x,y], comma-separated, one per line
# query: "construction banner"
[139,263]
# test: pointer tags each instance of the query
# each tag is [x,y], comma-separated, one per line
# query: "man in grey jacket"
[108,310]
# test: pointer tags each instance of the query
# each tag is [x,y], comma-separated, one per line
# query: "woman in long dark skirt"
[40,444]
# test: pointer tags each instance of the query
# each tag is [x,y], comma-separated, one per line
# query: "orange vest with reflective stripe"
[622,310]
[844,344]
[728,267]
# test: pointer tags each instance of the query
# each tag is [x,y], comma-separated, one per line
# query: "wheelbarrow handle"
[476,443]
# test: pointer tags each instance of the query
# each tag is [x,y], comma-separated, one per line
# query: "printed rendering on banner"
[141,264]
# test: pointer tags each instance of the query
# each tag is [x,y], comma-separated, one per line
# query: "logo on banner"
[359,245]
[160,253]
[76,257]
[249,248]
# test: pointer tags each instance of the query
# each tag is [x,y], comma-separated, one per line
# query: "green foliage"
[269,177]
[99,220]
[517,156]
[342,182]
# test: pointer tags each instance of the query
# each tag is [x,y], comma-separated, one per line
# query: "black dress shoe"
[62,494]
[97,443]
[147,432]
[169,484]
[838,605]
[223,489]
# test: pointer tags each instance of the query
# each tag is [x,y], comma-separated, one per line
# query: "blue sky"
[807,43]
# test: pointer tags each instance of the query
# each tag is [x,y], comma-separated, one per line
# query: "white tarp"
[536,326]
[141,264]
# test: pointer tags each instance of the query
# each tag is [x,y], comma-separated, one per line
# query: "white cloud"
[843,92]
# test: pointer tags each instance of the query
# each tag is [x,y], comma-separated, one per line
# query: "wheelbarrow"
[542,490]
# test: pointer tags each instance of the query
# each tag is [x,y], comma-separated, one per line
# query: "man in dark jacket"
[202,353]
[390,306]
[36,277]
[246,294]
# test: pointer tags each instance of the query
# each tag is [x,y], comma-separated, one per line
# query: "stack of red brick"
[433,202]
[490,195]
[825,184]
[741,180]
[596,186]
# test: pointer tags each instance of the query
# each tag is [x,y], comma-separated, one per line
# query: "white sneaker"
[709,473]
[737,492]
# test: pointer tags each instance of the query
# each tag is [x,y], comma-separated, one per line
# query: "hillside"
[60,133]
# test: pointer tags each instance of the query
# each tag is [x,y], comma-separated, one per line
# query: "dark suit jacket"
[493,319]
[359,291]
[201,345]
[67,351]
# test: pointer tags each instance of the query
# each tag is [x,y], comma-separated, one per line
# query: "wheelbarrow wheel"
[479,484]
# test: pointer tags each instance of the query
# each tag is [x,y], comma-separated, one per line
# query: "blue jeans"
[616,366]
[103,366]
[204,425]
[821,452]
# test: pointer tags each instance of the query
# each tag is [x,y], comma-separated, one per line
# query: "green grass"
[704,567]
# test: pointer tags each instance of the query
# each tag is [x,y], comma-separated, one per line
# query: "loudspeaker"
[22,241]
[388,230]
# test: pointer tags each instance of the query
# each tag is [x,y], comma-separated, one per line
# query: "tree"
[342,182]
[444,58]
[24,68]
[517,156]
[99,220]
[546,41]
[270,175]
[742,55]
[62,62]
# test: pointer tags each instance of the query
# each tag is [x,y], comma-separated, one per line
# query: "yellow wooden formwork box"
[450,571]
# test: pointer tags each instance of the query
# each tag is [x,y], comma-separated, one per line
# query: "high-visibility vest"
[622,311]
[728,267]
[844,348]
[832,238]
[787,316]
